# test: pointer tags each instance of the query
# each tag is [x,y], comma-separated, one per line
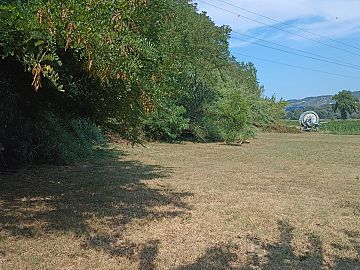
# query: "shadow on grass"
[279,255]
[93,200]
[216,258]
[148,254]
[344,263]
[353,206]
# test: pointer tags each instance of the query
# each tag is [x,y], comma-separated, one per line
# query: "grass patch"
[343,127]
[284,201]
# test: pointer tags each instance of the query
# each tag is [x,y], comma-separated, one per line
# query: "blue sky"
[337,21]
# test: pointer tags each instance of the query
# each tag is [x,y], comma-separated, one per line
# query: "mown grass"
[344,127]
[284,201]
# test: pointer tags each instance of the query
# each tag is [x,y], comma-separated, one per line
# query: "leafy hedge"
[146,69]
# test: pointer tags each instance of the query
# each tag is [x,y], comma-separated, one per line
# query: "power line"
[298,54]
[278,28]
[317,57]
[302,51]
[289,25]
[298,67]
[289,65]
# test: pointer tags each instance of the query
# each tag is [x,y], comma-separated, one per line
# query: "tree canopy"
[346,103]
[155,69]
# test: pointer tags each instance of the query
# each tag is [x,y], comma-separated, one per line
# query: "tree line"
[346,105]
[146,69]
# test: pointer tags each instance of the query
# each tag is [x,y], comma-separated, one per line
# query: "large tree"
[346,103]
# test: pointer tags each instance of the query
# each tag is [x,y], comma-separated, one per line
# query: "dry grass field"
[284,201]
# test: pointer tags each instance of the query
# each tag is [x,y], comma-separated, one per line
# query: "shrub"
[167,122]
[62,141]
[51,139]
[231,117]
[281,128]
[34,127]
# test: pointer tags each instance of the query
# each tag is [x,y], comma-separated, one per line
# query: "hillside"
[315,101]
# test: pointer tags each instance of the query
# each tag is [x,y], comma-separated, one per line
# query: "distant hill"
[321,104]
[315,101]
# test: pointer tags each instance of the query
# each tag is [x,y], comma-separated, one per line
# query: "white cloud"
[329,18]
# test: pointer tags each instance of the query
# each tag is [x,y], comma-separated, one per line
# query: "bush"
[167,122]
[267,111]
[62,141]
[231,117]
[281,128]
[34,127]
[51,139]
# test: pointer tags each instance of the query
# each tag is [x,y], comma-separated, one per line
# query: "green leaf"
[39,42]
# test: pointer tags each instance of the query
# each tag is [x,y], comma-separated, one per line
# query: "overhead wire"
[288,25]
[292,48]
[317,57]
[278,28]
[298,54]
[295,66]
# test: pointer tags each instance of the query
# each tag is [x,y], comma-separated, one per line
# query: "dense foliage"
[346,103]
[153,69]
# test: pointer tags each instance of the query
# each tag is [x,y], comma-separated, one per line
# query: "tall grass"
[344,127]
